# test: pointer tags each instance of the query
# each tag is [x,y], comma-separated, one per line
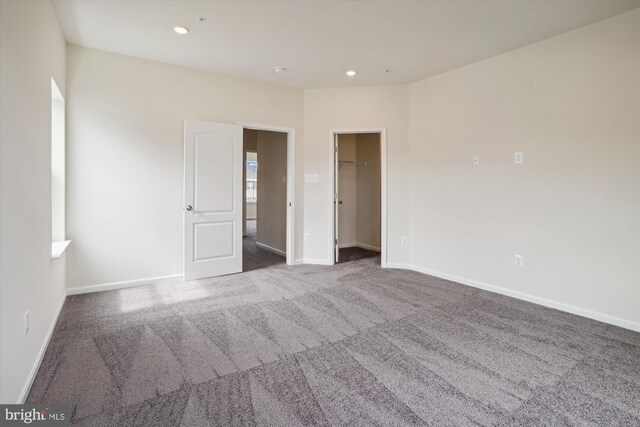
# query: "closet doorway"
[358,160]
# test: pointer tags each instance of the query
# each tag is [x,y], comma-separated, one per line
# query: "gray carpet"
[351,344]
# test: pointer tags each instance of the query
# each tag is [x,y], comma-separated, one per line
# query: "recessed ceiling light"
[351,73]
[279,69]
[180,29]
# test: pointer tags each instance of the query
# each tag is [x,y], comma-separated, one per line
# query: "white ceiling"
[318,40]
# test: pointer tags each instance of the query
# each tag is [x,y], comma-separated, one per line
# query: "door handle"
[340,202]
[189,208]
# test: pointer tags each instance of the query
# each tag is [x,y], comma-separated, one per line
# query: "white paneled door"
[212,199]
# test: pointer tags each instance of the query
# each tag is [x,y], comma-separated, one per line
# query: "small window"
[252,177]
[57,166]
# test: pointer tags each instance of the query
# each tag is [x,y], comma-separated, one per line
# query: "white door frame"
[291,145]
[383,188]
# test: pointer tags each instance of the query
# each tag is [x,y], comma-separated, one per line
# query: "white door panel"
[214,163]
[213,199]
[213,240]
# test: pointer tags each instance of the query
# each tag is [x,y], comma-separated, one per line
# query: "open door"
[212,199]
[336,196]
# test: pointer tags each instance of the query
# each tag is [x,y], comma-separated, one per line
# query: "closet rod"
[352,162]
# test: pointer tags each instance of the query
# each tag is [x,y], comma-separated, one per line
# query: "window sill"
[58,248]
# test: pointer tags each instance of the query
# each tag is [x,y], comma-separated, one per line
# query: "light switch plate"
[518,260]
[475,161]
[311,178]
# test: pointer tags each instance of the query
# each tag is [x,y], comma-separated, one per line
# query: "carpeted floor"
[351,344]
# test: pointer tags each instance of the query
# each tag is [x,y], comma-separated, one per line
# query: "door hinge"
[335,241]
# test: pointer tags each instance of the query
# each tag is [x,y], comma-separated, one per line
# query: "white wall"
[272,190]
[326,109]
[32,50]
[347,179]
[571,104]
[125,157]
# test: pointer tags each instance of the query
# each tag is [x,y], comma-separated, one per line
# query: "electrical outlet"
[518,157]
[475,160]
[404,240]
[307,237]
[518,260]
[26,322]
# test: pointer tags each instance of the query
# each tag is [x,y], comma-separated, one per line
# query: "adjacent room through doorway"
[358,196]
[265,199]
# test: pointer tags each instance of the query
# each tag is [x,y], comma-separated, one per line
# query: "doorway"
[265,180]
[358,194]
[214,197]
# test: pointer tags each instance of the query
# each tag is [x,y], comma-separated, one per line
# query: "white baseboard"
[271,249]
[347,245]
[400,266]
[601,317]
[369,247]
[317,261]
[43,350]
[121,285]
[359,245]
[299,261]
